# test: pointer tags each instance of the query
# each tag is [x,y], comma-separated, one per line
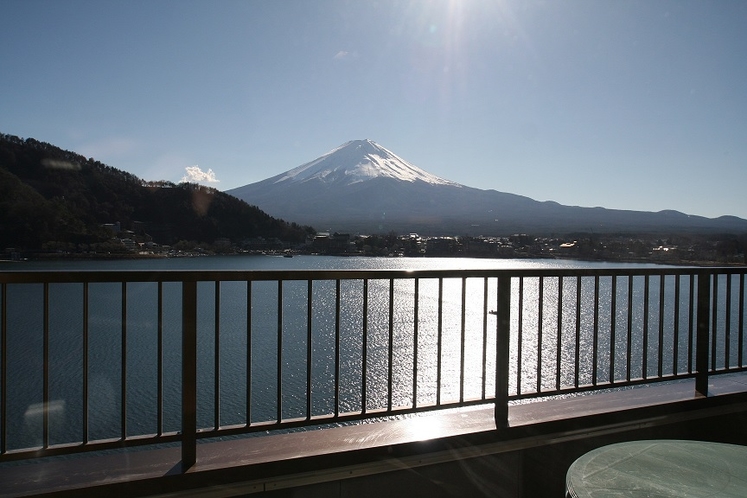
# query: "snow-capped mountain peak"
[358,161]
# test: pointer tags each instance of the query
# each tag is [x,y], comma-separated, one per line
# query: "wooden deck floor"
[266,463]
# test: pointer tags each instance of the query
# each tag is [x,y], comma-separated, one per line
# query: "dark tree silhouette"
[51,197]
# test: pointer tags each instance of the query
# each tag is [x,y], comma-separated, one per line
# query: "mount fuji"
[363,187]
[358,161]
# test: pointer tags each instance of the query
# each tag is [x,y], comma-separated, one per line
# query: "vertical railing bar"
[595,336]
[364,352]
[727,323]
[714,321]
[123,414]
[159,353]
[484,337]
[390,366]
[559,340]
[45,370]
[702,353]
[279,373]
[309,346]
[691,324]
[85,364]
[660,368]
[416,318]
[216,366]
[540,319]
[613,327]
[502,353]
[676,323]
[497,339]
[337,348]
[189,374]
[4,368]
[248,400]
[463,340]
[646,293]
[740,354]
[629,344]
[519,333]
[439,340]
[577,352]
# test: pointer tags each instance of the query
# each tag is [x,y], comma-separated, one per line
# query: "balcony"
[151,382]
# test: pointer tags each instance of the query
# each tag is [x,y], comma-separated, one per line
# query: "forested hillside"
[52,198]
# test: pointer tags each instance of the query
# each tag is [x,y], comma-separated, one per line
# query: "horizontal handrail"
[310,347]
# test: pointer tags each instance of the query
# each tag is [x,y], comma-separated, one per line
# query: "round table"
[660,468]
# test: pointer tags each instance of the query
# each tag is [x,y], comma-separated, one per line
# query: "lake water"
[26,361]
[271,262]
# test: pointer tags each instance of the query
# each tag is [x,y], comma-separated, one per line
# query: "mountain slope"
[52,197]
[363,187]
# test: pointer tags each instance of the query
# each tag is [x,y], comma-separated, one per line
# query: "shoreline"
[124,257]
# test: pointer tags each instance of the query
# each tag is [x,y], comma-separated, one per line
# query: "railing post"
[189,374]
[502,345]
[702,344]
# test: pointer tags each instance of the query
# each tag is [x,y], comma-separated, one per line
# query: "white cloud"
[343,55]
[196,175]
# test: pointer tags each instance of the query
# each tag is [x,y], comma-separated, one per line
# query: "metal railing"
[101,360]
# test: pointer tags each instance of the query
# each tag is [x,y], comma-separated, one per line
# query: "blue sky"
[627,104]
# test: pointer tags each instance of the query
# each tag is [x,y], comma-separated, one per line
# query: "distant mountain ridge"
[361,186]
